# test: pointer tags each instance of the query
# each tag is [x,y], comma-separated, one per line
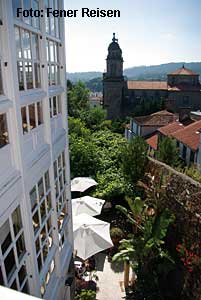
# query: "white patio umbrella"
[90,235]
[81,184]
[89,205]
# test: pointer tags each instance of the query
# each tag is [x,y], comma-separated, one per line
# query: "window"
[52,24]
[192,156]
[27,4]
[28,62]
[4,140]
[40,197]
[55,106]
[47,278]
[185,100]
[53,62]
[32,116]
[184,152]
[1,80]
[12,266]
[61,199]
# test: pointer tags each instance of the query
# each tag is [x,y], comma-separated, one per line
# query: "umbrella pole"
[126,274]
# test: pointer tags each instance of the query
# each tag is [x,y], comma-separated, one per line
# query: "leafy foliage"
[78,98]
[168,151]
[86,295]
[134,159]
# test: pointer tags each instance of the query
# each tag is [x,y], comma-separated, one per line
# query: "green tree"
[77,127]
[93,117]
[83,157]
[168,151]
[134,159]
[78,98]
[145,249]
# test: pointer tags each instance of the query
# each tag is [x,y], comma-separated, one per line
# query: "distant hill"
[156,72]
[159,72]
[83,76]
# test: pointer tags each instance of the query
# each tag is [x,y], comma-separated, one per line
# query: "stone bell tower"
[113,81]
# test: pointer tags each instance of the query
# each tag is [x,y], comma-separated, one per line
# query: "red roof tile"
[190,135]
[146,85]
[170,128]
[153,141]
[183,71]
[158,119]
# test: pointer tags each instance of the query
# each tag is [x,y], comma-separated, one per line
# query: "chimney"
[184,114]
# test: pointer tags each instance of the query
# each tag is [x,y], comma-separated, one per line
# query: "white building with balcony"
[36,239]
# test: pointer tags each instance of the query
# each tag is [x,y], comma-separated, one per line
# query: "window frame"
[12,280]
[38,120]
[23,61]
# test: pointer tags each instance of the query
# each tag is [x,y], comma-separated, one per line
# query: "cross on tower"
[114,38]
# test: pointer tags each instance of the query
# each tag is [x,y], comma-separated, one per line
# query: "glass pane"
[29,74]
[35,21]
[59,164]
[37,75]
[14,285]
[39,260]
[49,224]
[1,82]
[40,113]
[51,49]
[27,5]
[42,211]
[20,75]
[32,119]
[10,264]
[3,131]
[5,236]
[18,42]
[16,4]
[47,181]
[53,75]
[22,274]
[33,198]
[50,104]
[35,221]
[17,221]
[49,202]
[40,188]
[55,169]
[54,106]
[24,120]
[35,49]
[20,245]
[43,234]
[26,44]
[1,277]
[37,245]
[45,252]
[26,288]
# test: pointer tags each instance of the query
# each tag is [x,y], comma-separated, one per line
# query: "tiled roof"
[146,85]
[185,87]
[190,135]
[170,128]
[158,119]
[153,141]
[183,71]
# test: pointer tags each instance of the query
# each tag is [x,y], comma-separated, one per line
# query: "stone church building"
[120,96]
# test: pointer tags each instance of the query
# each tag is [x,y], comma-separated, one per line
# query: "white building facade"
[36,240]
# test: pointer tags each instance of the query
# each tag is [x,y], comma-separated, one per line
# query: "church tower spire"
[113,80]
[114,59]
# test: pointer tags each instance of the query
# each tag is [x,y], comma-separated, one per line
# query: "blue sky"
[149,32]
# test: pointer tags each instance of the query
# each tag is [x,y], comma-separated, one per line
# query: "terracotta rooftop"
[147,85]
[153,141]
[183,71]
[158,119]
[190,135]
[170,128]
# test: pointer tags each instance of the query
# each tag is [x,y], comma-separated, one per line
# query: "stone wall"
[183,198]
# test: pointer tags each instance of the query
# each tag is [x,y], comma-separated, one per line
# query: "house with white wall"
[36,240]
